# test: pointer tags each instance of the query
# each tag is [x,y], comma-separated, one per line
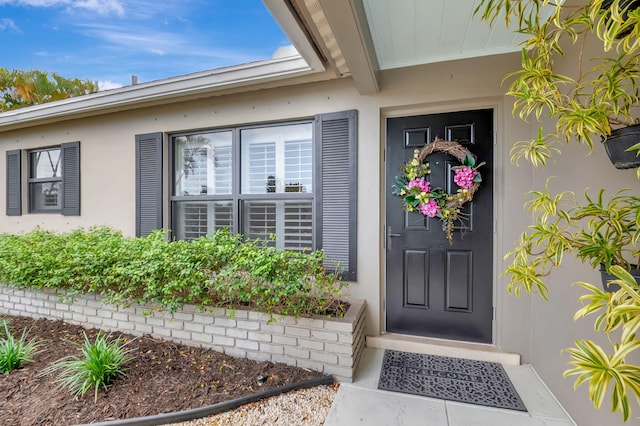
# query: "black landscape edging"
[196,413]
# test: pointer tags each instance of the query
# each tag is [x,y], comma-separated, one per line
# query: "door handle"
[391,235]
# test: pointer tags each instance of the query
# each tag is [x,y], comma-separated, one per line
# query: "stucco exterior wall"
[537,330]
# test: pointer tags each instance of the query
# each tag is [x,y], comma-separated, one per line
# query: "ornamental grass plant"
[100,363]
[15,353]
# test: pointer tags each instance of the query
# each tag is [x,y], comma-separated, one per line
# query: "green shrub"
[224,270]
[100,363]
[14,353]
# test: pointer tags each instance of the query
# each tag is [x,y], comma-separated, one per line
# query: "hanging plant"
[418,196]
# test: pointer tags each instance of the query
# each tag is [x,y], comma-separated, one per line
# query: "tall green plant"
[585,103]
[592,364]
[100,363]
[598,231]
[15,353]
[589,100]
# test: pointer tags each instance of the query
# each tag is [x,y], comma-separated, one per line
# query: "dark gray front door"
[433,287]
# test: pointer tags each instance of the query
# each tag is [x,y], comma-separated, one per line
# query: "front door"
[434,287]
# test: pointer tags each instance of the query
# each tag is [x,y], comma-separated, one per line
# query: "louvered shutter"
[71,179]
[14,183]
[335,189]
[148,183]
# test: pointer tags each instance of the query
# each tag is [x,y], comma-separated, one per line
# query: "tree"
[19,89]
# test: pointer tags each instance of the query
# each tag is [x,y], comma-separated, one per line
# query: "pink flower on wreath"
[421,184]
[430,208]
[464,177]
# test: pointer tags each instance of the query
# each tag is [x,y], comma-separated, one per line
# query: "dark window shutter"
[14,183]
[71,179]
[335,190]
[148,183]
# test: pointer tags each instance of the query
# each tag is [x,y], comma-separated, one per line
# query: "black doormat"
[453,379]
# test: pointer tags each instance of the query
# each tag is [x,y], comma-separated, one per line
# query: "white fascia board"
[160,91]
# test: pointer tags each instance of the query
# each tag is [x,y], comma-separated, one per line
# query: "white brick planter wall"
[328,345]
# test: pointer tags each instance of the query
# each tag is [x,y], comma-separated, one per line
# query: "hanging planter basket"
[630,5]
[610,287]
[617,144]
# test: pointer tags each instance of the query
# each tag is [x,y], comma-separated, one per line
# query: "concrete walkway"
[362,403]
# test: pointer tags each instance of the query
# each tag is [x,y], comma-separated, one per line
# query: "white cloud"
[162,43]
[103,7]
[35,3]
[108,85]
[8,24]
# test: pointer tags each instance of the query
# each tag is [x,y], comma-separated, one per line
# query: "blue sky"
[109,40]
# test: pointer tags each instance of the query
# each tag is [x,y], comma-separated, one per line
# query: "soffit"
[413,32]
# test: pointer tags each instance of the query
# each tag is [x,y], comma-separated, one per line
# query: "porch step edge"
[424,345]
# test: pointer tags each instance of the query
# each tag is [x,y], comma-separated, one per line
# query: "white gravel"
[305,407]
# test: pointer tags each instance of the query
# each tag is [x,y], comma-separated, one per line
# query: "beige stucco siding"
[537,330]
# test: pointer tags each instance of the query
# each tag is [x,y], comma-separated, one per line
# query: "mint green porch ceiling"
[413,32]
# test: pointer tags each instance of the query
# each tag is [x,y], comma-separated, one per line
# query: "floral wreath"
[417,194]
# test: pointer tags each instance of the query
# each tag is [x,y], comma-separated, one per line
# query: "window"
[45,180]
[202,184]
[296,181]
[277,163]
[275,195]
[53,180]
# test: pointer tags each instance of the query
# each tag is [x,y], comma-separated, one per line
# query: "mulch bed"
[164,377]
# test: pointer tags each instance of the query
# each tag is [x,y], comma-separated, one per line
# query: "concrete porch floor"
[361,402]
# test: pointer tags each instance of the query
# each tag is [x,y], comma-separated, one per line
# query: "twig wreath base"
[416,191]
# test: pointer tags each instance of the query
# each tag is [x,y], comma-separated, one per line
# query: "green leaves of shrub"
[224,270]
[14,353]
[100,363]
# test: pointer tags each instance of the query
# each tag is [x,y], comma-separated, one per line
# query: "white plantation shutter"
[194,222]
[298,166]
[298,225]
[262,168]
[222,169]
[200,219]
[290,221]
[223,216]
[196,173]
[260,220]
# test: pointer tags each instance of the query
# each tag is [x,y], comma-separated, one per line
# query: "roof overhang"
[353,36]
[159,92]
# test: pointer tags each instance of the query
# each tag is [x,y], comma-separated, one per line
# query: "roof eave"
[351,31]
[160,91]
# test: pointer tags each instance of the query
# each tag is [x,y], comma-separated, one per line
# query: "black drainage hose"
[196,413]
